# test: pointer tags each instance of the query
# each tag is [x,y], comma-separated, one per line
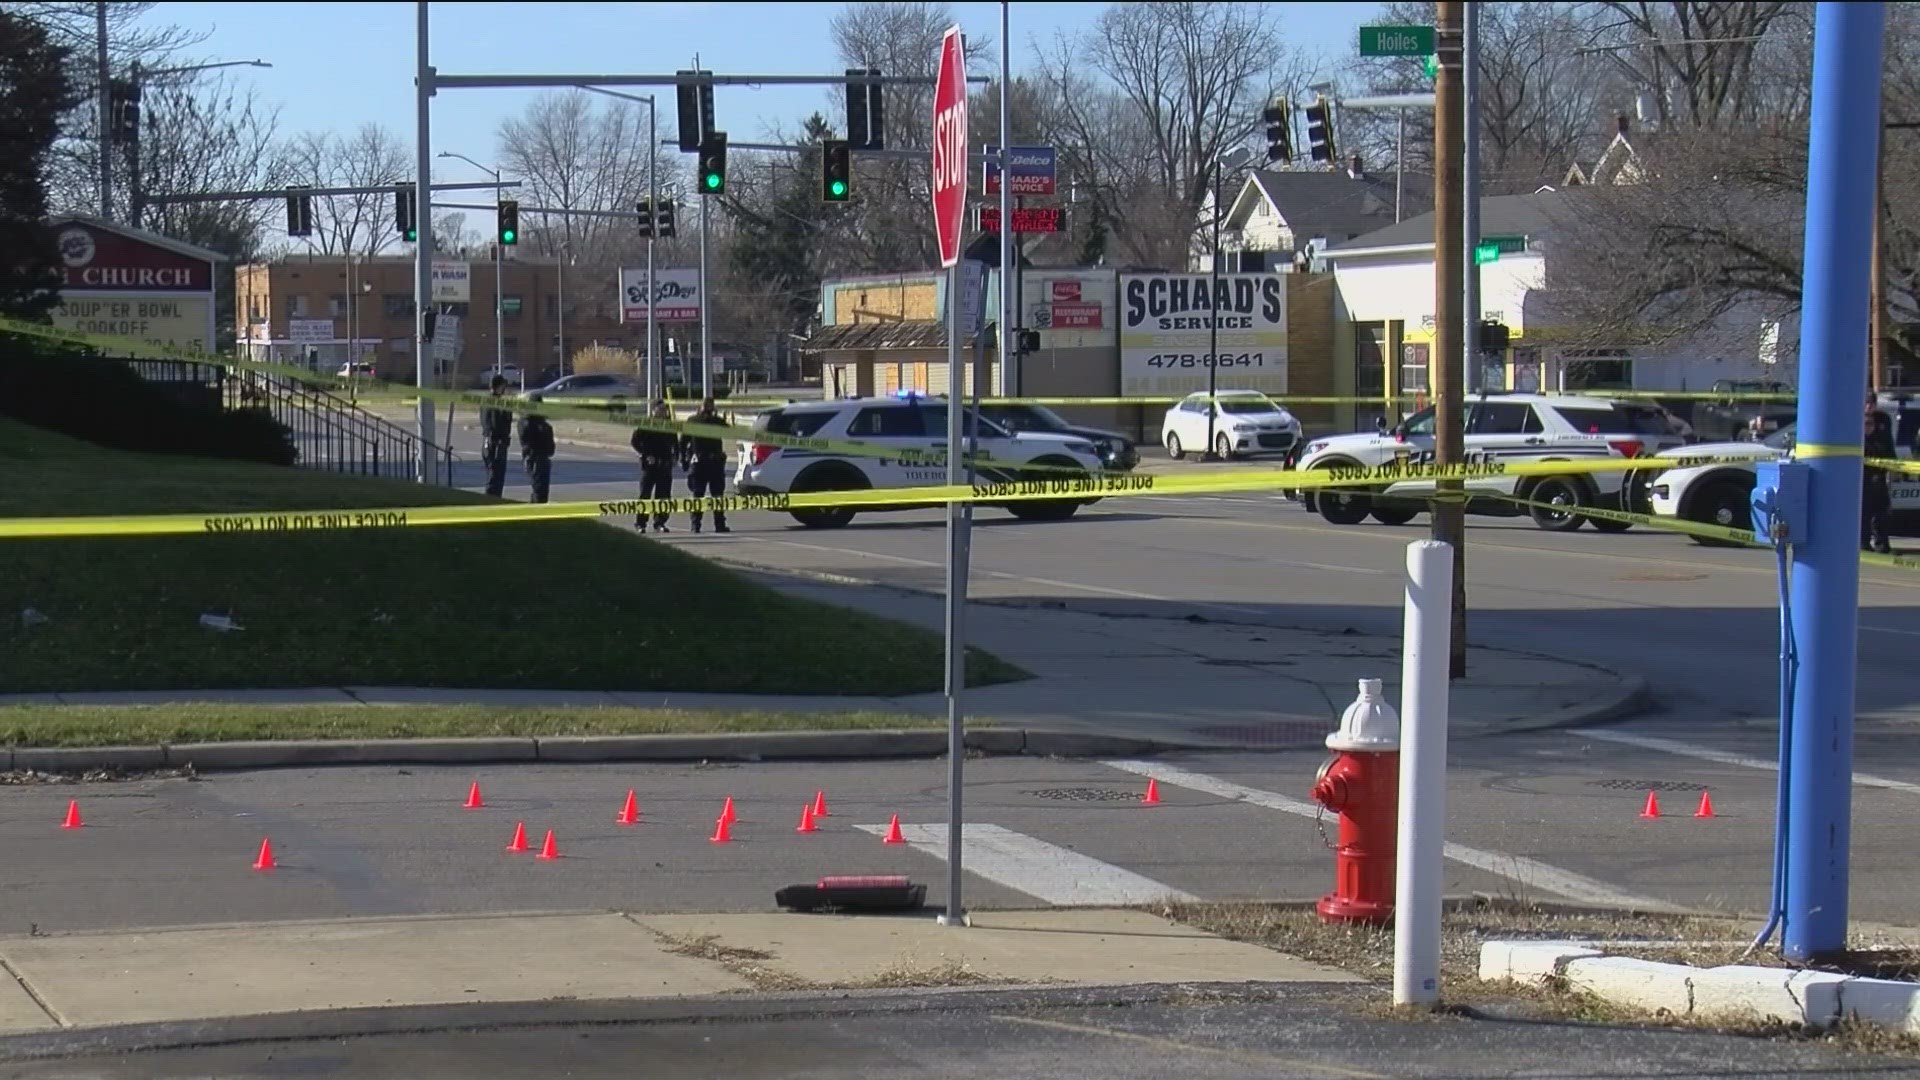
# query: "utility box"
[1780,502]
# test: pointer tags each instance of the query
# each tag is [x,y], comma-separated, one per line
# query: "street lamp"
[1231,161]
[136,78]
[499,282]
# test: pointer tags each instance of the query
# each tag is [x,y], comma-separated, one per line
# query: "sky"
[337,66]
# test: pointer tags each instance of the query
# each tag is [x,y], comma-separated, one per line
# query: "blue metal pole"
[1841,149]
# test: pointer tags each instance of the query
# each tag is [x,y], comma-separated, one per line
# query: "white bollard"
[1423,773]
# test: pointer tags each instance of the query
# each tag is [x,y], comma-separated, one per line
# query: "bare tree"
[1711,63]
[206,134]
[372,156]
[1180,85]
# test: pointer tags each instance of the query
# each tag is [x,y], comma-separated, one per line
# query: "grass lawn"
[141,725]
[561,605]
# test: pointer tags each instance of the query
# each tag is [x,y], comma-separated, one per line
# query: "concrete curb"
[494,1016]
[1816,999]
[719,746]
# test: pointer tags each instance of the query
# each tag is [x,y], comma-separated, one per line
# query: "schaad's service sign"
[676,295]
[1164,324]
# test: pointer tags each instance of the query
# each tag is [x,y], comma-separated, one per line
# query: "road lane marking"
[1177,1049]
[1529,873]
[1725,757]
[1054,874]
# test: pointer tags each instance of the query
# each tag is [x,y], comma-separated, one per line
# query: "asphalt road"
[1303,1034]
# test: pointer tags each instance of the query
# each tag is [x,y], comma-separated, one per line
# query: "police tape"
[1084,488]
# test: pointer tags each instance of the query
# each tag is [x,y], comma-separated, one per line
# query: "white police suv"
[1506,428]
[916,427]
[1721,492]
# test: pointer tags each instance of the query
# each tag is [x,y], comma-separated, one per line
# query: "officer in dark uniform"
[496,427]
[536,447]
[1876,497]
[706,460]
[657,449]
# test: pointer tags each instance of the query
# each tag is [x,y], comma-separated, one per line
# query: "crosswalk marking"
[1051,873]
[1529,873]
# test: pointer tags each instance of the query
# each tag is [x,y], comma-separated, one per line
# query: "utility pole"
[106,110]
[1876,284]
[1470,197]
[1010,359]
[1449,226]
[653,232]
[423,248]
[1818,771]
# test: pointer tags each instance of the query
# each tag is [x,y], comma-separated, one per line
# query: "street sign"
[1490,248]
[1396,41]
[950,146]
[1033,169]
[1484,253]
[973,296]
[309,331]
[1026,219]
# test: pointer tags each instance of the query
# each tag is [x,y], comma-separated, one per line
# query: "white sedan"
[1239,422]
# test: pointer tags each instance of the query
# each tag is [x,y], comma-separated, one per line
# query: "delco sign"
[99,260]
[1033,169]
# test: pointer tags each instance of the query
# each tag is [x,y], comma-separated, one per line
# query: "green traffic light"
[713,181]
[413,235]
[508,236]
[839,188]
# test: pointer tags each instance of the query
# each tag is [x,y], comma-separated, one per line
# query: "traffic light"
[694,96]
[1026,341]
[1279,121]
[124,103]
[866,118]
[1320,130]
[645,209]
[406,212]
[713,163]
[663,220]
[299,212]
[509,221]
[836,171]
[1494,337]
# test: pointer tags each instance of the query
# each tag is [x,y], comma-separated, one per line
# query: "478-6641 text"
[1206,360]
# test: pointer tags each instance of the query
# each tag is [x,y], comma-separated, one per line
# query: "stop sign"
[950,146]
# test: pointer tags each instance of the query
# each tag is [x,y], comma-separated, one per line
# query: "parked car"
[616,387]
[1241,423]
[360,370]
[1117,452]
[1728,421]
[1503,427]
[1721,493]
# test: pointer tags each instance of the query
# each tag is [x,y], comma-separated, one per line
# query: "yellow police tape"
[1080,488]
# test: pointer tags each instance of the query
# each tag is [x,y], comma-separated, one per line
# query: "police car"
[911,423]
[1508,428]
[1720,493]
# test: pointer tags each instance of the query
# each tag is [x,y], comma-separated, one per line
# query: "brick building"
[319,310]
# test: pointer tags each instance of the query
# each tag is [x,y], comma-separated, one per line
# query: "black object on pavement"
[854,894]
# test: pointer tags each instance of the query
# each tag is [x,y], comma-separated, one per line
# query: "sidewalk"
[209,973]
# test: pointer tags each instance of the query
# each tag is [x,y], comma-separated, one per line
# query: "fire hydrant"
[1361,782]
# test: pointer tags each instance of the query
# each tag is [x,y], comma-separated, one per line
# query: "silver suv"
[916,428]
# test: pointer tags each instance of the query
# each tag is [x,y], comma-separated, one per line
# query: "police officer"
[536,447]
[1876,497]
[706,460]
[657,449]
[496,427]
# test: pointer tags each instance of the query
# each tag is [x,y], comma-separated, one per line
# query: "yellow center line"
[1176,1047]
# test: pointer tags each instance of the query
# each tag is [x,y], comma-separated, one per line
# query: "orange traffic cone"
[630,813]
[474,801]
[264,861]
[726,811]
[548,848]
[519,842]
[806,820]
[894,835]
[1706,805]
[722,830]
[1152,797]
[820,804]
[1652,809]
[73,815]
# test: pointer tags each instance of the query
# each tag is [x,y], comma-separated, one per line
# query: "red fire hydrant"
[1361,783]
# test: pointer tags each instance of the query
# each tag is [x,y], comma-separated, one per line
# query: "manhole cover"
[1276,733]
[1647,785]
[1083,794]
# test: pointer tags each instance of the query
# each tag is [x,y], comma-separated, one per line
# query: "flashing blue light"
[906,395]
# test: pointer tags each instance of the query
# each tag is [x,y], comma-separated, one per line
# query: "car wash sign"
[133,284]
[1175,327]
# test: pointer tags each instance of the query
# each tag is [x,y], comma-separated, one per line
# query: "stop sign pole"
[949,216]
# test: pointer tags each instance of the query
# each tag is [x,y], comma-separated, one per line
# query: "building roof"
[179,247]
[1333,204]
[877,336]
[1512,215]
